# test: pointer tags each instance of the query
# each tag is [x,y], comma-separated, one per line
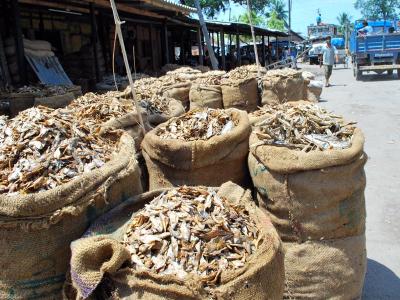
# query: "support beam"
[218,45]
[238,56]
[19,41]
[276,49]
[263,61]
[200,43]
[94,41]
[223,49]
[152,46]
[166,46]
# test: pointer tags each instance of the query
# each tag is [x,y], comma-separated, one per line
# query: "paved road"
[374,103]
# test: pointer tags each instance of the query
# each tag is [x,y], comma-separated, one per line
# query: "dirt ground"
[374,102]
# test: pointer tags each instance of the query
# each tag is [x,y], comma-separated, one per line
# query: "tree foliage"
[257,19]
[212,7]
[378,9]
[279,7]
[344,20]
[274,22]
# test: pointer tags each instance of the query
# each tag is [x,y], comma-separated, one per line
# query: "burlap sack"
[175,109]
[280,86]
[202,162]
[100,253]
[241,94]
[333,269]
[57,101]
[315,195]
[202,95]
[314,90]
[129,123]
[36,229]
[178,91]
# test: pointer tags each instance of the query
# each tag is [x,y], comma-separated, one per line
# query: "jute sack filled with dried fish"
[240,93]
[179,91]
[202,95]
[56,101]
[280,86]
[327,269]
[314,195]
[129,123]
[314,90]
[160,109]
[208,161]
[102,262]
[37,228]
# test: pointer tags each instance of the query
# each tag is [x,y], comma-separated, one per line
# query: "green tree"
[378,9]
[274,22]
[344,20]
[257,19]
[212,7]
[278,7]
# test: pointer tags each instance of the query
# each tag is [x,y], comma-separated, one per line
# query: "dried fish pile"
[210,78]
[156,104]
[305,127]
[96,109]
[44,90]
[42,148]
[191,230]
[243,72]
[199,124]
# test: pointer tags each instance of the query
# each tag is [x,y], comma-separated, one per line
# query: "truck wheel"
[390,72]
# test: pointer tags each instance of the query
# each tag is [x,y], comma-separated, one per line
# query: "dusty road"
[374,103]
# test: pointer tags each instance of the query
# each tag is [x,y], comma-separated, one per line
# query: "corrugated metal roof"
[171,4]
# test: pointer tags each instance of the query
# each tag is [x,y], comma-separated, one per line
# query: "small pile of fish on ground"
[100,108]
[43,90]
[42,148]
[198,124]
[191,230]
[304,127]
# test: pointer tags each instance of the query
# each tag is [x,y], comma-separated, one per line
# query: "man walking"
[329,53]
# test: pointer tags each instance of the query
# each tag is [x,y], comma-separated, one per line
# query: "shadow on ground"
[378,77]
[380,282]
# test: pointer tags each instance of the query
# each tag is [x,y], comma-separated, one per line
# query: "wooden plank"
[223,50]
[200,45]
[93,24]
[263,50]
[19,41]
[166,45]
[238,57]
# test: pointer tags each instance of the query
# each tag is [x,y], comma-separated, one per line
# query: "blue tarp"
[338,42]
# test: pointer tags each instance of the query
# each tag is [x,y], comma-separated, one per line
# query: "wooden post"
[165,29]
[19,41]
[223,50]
[103,41]
[200,43]
[263,50]
[276,50]
[238,56]
[218,45]
[94,40]
[153,59]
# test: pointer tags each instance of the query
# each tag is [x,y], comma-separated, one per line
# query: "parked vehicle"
[378,51]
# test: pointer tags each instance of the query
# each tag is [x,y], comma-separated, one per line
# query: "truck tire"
[390,72]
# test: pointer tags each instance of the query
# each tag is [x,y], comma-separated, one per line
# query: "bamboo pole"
[118,24]
[254,38]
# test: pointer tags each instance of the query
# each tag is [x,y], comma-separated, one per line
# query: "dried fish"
[190,243]
[42,148]
[304,127]
[156,104]
[198,124]
[244,72]
[41,90]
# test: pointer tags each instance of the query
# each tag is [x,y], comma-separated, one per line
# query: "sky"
[304,12]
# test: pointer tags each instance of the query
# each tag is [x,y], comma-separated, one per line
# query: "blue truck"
[379,51]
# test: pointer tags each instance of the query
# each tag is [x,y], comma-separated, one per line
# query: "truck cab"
[378,51]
